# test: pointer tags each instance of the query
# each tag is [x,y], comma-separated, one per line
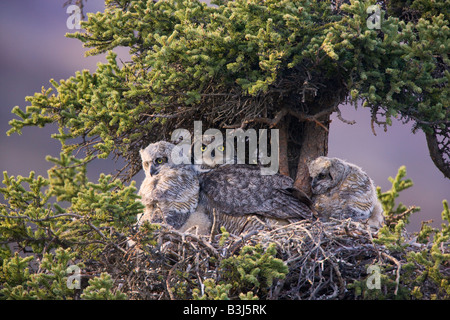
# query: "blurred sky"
[34,50]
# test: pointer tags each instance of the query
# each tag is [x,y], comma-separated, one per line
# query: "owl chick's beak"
[313,182]
[153,170]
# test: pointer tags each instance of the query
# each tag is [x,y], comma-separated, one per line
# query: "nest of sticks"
[323,259]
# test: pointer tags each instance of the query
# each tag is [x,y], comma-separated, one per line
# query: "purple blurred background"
[34,50]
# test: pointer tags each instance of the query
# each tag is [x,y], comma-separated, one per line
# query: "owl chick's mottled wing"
[358,194]
[239,190]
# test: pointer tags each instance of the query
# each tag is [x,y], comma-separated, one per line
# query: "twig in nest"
[399,266]
[169,289]
[214,225]
[167,116]
[199,239]
[241,240]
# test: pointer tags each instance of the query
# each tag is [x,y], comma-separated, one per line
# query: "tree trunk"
[301,142]
[314,144]
[283,149]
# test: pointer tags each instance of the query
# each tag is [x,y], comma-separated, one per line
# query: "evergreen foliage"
[252,271]
[422,269]
[255,267]
[100,289]
[44,215]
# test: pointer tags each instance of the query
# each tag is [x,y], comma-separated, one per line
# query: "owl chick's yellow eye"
[220,148]
[323,176]
[203,148]
[159,160]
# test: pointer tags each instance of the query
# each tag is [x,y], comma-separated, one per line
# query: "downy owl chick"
[170,190]
[342,190]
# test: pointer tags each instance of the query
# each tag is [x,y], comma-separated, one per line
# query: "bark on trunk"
[314,144]
[301,142]
[283,149]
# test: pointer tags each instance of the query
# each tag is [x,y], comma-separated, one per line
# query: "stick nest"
[325,259]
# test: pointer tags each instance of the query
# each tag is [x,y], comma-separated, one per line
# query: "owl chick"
[212,153]
[341,190]
[170,191]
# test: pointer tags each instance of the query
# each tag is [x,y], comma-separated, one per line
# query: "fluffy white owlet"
[237,197]
[341,190]
[170,191]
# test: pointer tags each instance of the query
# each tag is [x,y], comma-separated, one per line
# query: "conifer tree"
[234,64]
